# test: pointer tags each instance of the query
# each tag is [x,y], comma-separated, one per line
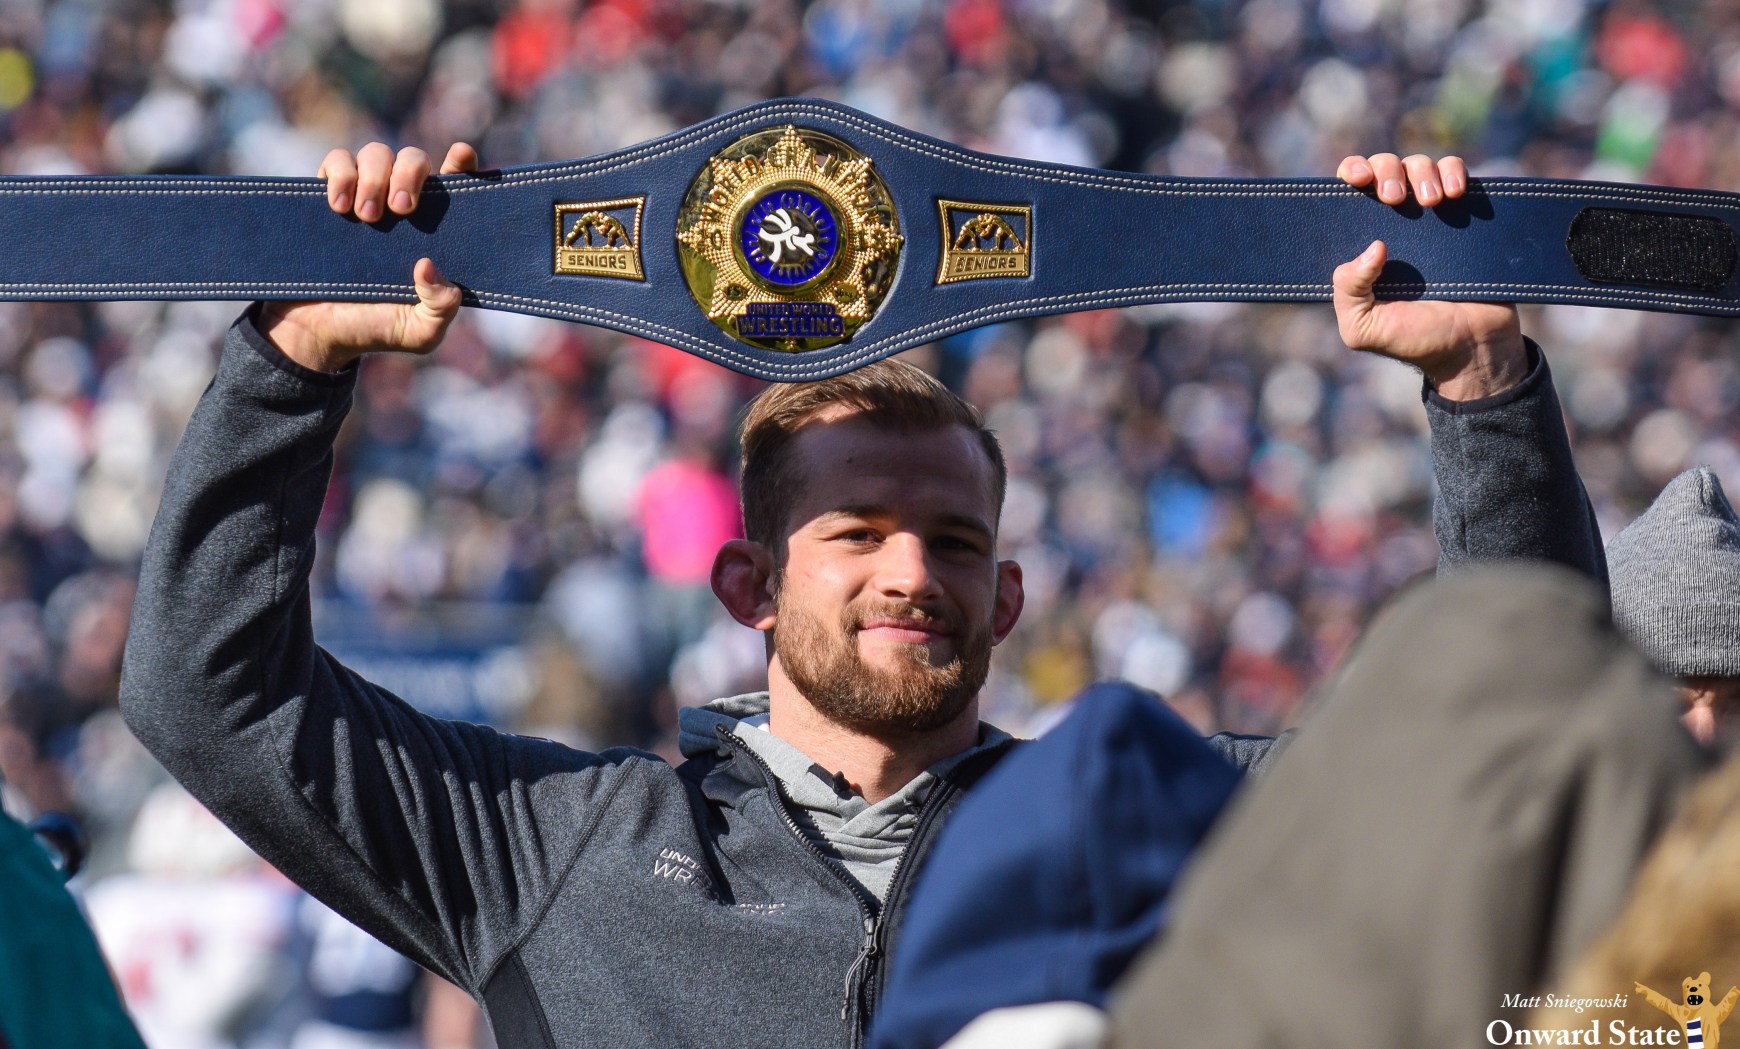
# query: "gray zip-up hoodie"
[585,899]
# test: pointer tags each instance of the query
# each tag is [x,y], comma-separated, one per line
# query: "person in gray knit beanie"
[1675,575]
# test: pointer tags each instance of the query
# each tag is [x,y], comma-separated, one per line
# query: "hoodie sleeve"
[1507,486]
[441,838]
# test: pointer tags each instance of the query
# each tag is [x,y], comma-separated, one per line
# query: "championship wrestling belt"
[797,239]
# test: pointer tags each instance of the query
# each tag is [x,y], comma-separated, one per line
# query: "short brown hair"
[888,393]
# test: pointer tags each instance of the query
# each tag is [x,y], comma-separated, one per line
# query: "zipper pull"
[865,953]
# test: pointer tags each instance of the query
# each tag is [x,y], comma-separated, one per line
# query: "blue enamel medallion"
[789,237]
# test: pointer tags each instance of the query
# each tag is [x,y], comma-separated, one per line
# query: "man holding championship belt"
[748,896]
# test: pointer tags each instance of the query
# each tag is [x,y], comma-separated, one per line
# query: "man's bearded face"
[889,595]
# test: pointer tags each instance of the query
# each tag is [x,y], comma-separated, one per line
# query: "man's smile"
[909,631]
[901,623]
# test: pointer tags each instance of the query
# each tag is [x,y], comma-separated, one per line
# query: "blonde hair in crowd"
[1681,918]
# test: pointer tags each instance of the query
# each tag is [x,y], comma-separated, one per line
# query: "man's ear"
[1010,599]
[742,574]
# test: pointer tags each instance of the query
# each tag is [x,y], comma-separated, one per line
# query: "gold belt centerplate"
[788,239]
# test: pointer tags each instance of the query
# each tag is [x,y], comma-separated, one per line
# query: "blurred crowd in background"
[1208,500]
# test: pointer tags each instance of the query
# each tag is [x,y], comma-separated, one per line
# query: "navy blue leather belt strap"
[979,239]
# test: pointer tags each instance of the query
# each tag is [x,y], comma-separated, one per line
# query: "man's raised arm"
[423,831]
[1507,486]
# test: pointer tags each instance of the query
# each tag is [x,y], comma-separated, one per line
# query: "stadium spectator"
[1676,596]
[193,931]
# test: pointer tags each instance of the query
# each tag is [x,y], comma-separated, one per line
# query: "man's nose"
[905,569]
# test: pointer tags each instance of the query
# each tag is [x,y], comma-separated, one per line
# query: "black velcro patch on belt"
[1652,248]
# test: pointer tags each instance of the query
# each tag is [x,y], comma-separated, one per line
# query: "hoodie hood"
[698,727]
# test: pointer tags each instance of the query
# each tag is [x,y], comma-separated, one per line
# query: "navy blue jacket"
[1055,872]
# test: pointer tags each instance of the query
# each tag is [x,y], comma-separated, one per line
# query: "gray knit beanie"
[1676,579]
